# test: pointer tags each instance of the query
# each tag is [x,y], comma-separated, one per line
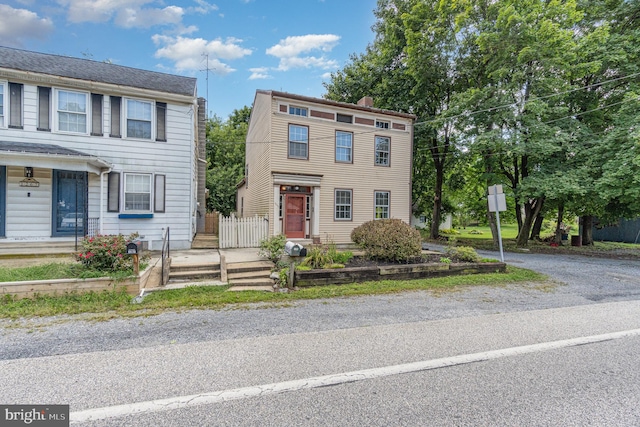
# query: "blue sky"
[284,45]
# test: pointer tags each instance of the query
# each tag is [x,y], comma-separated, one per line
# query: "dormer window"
[297,111]
[382,124]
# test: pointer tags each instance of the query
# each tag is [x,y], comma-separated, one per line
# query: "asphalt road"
[116,369]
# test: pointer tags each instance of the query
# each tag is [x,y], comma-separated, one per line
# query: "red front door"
[294,215]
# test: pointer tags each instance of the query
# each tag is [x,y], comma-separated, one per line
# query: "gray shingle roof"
[95,71]
[29,147]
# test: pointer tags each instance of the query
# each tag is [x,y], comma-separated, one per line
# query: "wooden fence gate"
[211,223]
[242,232]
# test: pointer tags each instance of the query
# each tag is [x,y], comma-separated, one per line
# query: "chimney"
[366,101]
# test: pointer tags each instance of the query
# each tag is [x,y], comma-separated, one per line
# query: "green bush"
[449,231]
[106,253]
[463,253]
[388,240]
[326,255]
[273,247]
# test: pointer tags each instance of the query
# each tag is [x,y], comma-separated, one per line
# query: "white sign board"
[501,202]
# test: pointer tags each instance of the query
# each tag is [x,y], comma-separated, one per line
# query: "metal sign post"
[497,203]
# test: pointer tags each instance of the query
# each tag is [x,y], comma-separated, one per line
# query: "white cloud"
[204,7]
[187,53]
[259,73]
[146,18]
[289,51]
[19,24]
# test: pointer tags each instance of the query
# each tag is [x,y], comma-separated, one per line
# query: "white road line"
[179,402]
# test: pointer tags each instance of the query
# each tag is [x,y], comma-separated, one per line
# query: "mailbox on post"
[132,248]
[294,249]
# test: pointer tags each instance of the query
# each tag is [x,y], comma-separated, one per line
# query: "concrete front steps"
[188,273]
[250,276]
[253,275]
[26,248]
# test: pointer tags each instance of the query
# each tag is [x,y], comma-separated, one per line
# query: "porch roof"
[49,156]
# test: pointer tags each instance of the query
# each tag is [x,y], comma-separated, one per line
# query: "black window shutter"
[115,117]
[113,192]
[15,107]
[44,105]
[161,121]
[96,114]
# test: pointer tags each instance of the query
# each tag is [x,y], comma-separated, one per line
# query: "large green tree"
[226,158]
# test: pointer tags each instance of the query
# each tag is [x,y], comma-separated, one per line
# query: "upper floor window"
[382,124]
[298,142]
[344,147]
[343,118]
[383,149]
[71,111]
[137,192]
[139,119]
[297,111]
[381,206]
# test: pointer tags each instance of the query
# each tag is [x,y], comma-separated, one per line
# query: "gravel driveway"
[574,280]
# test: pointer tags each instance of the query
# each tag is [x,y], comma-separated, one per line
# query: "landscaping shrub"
[449,231]
[273,247]
[463,253]
[106,253]
[388,240]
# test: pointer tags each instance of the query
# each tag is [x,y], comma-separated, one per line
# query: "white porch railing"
[242,232]
[93,227]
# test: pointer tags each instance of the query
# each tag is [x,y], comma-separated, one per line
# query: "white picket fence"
[242,232]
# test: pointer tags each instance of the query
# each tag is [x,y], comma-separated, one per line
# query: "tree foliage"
[537,95]
[225,158]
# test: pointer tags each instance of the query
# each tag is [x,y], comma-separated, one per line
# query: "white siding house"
[93,148]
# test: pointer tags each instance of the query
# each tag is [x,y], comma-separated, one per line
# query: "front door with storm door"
[294,220]
[69,207]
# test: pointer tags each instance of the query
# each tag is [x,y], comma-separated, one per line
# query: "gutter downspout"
[100,220]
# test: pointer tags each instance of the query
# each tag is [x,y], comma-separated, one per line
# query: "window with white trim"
[137,192]
[3,90]
[139,118]
[297,111]
[344,147]
[381,204]
[382,124]
[298,142]
[342,205]
[383,150]
[71,111]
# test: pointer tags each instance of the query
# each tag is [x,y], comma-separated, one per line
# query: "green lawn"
[508,231]
[105,305]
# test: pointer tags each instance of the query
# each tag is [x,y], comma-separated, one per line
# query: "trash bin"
[576,240]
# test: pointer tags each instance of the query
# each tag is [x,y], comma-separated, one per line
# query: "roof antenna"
[206,55]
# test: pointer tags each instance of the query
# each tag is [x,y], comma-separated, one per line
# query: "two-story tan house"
[318,168]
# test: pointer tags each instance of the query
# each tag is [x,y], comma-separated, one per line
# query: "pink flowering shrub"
[106,253]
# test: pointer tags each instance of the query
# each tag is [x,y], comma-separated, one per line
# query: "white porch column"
[276,210]
[315,220]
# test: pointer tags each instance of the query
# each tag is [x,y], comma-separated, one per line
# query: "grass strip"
[118,304]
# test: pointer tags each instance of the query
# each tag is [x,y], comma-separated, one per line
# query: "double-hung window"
[298,142]
[137,192]
[383,150]
[344,147]
[139,117]
[381,206]
[71,111]
[342,205]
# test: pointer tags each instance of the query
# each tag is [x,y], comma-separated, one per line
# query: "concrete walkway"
[206,256]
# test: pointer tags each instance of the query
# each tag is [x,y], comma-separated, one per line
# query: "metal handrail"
[166,251]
